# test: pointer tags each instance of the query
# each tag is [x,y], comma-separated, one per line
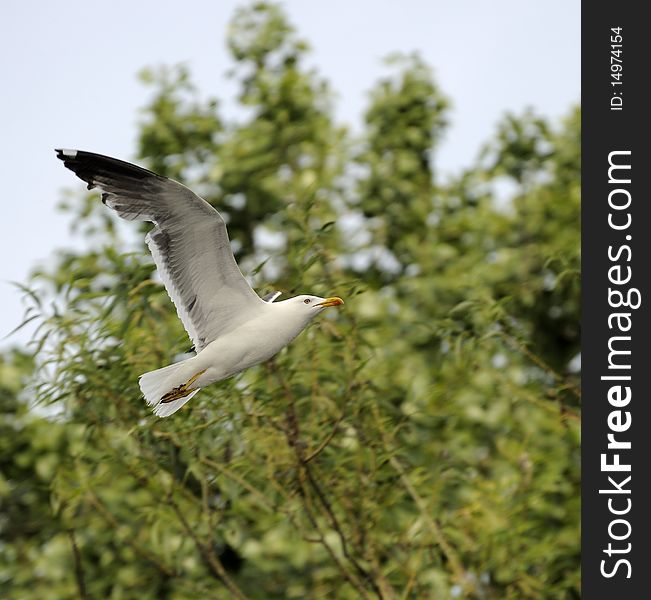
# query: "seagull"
[231,327]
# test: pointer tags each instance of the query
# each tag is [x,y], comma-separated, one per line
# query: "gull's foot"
[182,390]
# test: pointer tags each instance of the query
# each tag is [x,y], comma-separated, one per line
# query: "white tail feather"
[155,384]
[167,408]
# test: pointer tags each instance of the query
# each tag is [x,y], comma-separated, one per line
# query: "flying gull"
[231,327]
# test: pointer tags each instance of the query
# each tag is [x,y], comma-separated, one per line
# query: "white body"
[252,343]
[274,326]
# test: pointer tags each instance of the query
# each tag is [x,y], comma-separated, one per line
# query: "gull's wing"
[269,298]
[189,243]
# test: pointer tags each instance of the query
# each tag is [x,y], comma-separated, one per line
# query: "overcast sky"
[68,78]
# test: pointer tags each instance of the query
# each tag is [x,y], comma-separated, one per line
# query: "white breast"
[251,343]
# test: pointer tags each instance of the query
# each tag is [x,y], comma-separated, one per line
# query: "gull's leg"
[182,390]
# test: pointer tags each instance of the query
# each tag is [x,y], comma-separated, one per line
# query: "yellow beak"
[334,301]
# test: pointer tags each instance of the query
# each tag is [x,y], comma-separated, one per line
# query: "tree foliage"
[421,443]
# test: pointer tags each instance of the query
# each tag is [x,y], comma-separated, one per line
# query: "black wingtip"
[90,167]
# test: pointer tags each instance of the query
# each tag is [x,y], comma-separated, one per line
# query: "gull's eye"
[307,300]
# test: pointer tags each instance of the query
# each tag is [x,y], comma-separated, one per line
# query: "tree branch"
[79,566]
[215,566]
[294,441]
[113,522]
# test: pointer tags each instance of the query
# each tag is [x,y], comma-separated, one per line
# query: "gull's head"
[309,306]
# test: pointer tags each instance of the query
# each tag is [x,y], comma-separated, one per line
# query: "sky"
[69,79]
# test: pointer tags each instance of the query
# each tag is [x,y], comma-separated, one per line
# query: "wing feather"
[189,243]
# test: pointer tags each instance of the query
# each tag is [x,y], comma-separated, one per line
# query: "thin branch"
[566,413]
[540,363]
[326,441]
[240,481]
[215,566]
[144,553]
[307,506]
[294,441]
[449,552]
[79,566]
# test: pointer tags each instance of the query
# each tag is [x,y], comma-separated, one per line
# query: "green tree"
[423,442]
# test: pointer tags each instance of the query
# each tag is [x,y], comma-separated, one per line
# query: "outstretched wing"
[189,243]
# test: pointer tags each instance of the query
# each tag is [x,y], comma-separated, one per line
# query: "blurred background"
[421,160]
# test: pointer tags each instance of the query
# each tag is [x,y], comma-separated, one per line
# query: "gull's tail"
[169,388]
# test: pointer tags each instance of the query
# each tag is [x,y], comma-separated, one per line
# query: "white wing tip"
[67,152]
